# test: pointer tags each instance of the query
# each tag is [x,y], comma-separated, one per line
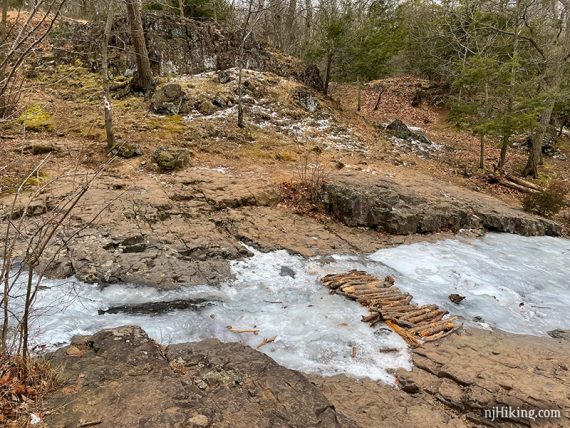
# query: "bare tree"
[144,79]
[19,42]
[251,18]
[105,76]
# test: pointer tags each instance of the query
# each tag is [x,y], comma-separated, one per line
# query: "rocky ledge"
[421,206]
[185,228]
[121,378]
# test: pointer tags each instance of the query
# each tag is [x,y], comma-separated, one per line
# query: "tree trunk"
[144,80]
[181,8]
[535,152]
[277,22]
[105,75]
[358,96]
[290,27]
[379,99]
[503,155]
[482,152]
[4,24]
[308,19]
[327,73]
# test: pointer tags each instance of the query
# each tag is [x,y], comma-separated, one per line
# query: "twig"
[266,342]
[241,330]
[90,423]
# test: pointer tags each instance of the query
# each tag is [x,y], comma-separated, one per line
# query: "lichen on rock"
[169,159]
[35,118]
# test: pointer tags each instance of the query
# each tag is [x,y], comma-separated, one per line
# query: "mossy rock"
[205,106]
[127,150]
[168,159]
[42,149]
[36,119]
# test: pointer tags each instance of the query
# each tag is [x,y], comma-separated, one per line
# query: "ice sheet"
[316,332]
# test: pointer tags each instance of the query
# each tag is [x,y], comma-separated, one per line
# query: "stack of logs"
[416,324]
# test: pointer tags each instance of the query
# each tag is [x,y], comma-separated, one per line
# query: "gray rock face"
[307,101]
[120,377]
[385,205]
[176,46]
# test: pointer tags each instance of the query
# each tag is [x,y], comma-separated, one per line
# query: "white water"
[316,332]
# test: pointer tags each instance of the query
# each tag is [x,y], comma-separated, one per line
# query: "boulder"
[423,208]
[168,159]
[169,99]
[205,106]
[127,150]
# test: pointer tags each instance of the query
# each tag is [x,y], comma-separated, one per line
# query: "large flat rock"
[422,205]
[121,378]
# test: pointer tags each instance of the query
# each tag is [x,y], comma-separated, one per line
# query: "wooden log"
[242,330]
[401,323]
[363,292]
[427,316]
[441,334]
[504,182]
[429,321]
[411,340]
[432,325]
[369,286]
[522,182]
[419,311]
[405,308]
[442,327]
[400,302]
[376,296]
[391,301]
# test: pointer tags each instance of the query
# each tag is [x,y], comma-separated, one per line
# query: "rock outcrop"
[454,381]
[122,378]
[423,207]
[176,46]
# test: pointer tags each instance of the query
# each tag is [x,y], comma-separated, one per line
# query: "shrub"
[547,202]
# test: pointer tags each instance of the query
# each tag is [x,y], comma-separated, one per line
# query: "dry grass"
[20,399]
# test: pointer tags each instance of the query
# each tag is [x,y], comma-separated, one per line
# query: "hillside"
[191,222]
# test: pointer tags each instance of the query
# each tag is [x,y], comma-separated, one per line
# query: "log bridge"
[388,304]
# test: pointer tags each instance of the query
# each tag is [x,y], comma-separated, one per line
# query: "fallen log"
[416,324]
[428,316]
[375,291]
[415,313]
[522,182]
[354,288]
[507,183]
[403,333]
[441,334]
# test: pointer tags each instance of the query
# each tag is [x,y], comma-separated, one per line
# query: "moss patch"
[168,159]
[36,119]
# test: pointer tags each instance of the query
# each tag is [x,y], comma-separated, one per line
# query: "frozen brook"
[514,283]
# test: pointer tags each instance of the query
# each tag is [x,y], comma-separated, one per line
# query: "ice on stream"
[514,283]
